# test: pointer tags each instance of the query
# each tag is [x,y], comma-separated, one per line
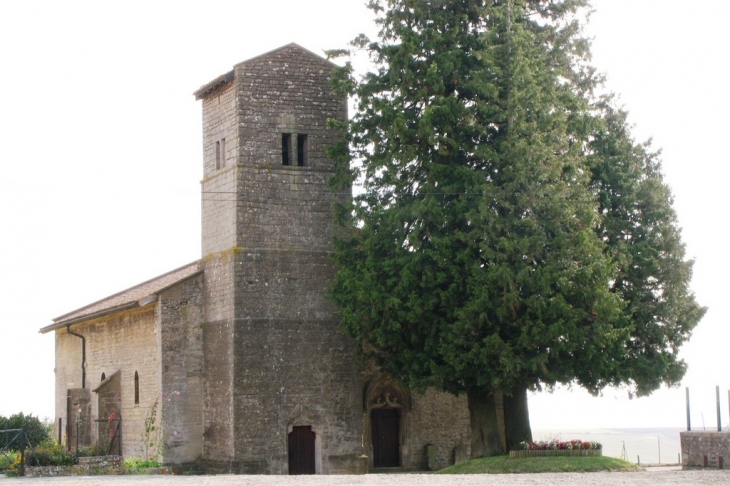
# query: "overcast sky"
[101,159]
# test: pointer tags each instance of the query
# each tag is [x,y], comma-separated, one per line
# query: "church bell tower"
[275,361]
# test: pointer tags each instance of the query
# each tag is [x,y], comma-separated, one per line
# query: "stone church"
[235,363]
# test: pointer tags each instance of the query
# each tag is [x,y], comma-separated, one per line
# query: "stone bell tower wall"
[293,366]
[219,188]
[274,356]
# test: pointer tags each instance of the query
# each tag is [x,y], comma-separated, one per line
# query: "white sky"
[101,158]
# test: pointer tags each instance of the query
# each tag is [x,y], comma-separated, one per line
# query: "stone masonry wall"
[293,366]
[280,359]
[181,344]
[286,208]
[219,210]
[217,390]
[286,91]
[434,420]
[219,204]
[124,341]
[290,373]
[705,449]
[219,123]
[87,466]
[67,376]
[440,419]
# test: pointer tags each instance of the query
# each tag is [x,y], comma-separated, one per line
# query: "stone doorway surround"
[384,393]
[385,431]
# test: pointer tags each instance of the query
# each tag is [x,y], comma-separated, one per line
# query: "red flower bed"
[557,445]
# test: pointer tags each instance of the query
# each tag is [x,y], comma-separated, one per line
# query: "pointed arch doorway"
[386,410]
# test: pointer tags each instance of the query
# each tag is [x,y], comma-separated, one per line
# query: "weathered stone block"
[705,449]
[460,454]
[431,459]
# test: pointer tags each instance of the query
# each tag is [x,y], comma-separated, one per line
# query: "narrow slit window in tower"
[136,388]
[217,155]
[286,149]
[301,150]
[223,153]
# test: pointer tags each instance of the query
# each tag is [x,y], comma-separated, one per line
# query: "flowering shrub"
[556,445]
[151,437]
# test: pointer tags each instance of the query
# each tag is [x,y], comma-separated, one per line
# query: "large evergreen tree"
[511,235]
[641,236]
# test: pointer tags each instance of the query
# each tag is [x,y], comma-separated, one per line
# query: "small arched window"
[103,377]
[136,388]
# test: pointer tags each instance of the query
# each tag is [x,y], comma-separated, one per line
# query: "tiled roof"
[132,297]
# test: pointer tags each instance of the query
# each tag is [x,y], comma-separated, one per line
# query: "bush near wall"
[52,455]
[38,432]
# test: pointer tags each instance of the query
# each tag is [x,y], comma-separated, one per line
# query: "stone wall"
[87,466]
[432,424]
[123,342]
[293,366]
[440,419]
[705,449]
[291,373]
[219,204]
[181,345]
[280,360]
[219,124]
[286,91]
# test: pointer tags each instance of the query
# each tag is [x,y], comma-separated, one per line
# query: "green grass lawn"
[504,465]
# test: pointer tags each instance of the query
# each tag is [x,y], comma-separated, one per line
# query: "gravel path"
[583,479]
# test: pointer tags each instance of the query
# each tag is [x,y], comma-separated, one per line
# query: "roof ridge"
[281,48]
[108,297]
[201,92]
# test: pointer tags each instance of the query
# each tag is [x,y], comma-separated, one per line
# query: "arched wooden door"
[301,450]
[385,436]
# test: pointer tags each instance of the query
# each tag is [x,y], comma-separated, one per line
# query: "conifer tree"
[489,252]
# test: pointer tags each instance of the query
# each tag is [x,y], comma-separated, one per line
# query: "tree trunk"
[485,439]
[516,417]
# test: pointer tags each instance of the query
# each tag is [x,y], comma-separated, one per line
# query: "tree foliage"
[37,431]
[651,274]
[511,234]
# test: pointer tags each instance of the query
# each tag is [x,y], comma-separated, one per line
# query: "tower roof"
[230,76]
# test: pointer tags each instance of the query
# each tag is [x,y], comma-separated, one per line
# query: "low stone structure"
[87,466]
[705,449]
